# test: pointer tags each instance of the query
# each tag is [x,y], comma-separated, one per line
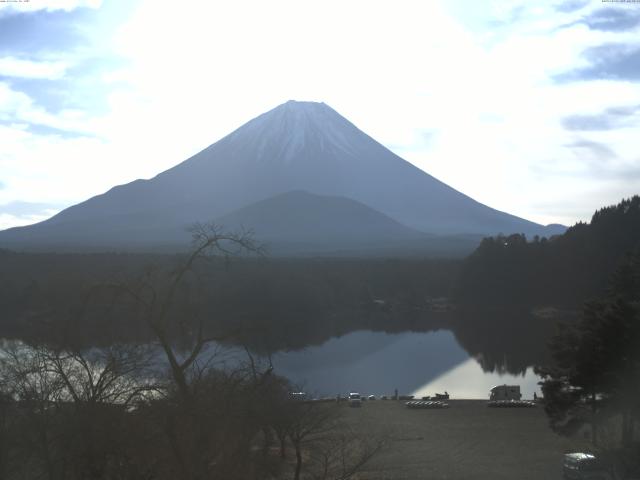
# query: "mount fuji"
[300,173]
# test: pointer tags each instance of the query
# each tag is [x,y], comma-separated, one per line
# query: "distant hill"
[298,146]
[303,222]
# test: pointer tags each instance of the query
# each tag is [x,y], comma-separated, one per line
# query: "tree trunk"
[594,433]
[627,428]
[268,441]
[298,461]
[174,444]
[283,447]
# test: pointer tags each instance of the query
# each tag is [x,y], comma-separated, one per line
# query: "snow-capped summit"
[294,126]
[301,146]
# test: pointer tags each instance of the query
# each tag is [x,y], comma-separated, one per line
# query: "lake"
[377,363]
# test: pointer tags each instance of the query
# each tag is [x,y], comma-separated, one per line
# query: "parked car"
[355,399]
[585,466]
[298,395]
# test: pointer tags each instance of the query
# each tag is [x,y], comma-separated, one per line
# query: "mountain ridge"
[303,146]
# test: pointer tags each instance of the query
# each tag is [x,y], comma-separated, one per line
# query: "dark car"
[585,466]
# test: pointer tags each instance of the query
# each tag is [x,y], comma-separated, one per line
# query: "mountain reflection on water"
[378,363]
[462,351]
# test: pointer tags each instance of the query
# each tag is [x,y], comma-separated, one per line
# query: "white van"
[505,392]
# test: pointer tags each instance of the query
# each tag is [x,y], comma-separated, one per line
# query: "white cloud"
[8,220]
[49,5]
[12,101]
[16,67]
[20,110]
[55,171]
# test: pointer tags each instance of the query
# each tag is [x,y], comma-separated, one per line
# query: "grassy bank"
[466,441]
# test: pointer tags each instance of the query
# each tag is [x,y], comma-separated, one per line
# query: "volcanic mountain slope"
[300,222]
[298,146]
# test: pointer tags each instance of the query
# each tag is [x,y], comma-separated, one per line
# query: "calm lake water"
[414,363]
[378,363]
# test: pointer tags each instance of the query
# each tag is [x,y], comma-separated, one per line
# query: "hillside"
[564,270]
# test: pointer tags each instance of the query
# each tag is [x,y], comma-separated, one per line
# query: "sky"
[529,107]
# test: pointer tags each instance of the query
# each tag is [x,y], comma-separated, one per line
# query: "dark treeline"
[564,270]
[507,339]
[264,304]
[269,304]
[512,294]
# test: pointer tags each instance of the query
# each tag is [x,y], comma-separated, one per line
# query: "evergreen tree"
[595,373]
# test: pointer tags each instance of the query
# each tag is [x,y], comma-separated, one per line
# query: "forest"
[561,271]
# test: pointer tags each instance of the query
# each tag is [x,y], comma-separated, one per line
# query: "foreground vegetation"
[593,379]
[111,414]
[167,411]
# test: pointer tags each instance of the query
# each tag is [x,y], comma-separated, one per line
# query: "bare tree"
[157,294]
[169,302]
[119,375]
[309,421]
[107,413]
[36,397]
[333,450]
[71,407]
[342,454]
